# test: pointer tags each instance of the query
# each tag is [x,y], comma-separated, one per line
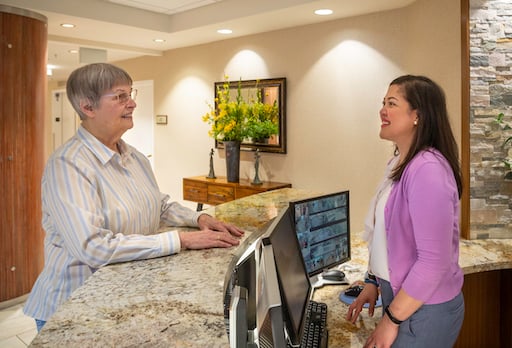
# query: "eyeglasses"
[122,97]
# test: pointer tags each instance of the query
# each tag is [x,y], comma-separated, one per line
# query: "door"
[65,120]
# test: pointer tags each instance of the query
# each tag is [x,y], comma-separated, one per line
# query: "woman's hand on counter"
[384,334]
[213,234]
[205,239]
[370,294]
[207,222]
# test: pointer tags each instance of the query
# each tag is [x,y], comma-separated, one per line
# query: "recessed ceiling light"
[225,31]
[67,25]
[324,12]
[159,40]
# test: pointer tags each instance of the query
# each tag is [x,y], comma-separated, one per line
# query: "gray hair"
[90,82]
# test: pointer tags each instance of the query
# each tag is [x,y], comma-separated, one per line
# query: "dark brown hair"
[433,129]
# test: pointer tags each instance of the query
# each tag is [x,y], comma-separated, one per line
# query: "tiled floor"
[16,329]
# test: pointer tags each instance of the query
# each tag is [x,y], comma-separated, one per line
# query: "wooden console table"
[203,190]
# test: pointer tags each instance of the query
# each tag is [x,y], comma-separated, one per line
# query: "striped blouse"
[99,207]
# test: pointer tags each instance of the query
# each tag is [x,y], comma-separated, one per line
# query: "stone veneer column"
[491,93]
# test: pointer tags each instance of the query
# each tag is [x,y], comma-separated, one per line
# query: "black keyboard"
[315,330]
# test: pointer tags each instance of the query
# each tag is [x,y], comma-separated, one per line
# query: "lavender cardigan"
[422,228]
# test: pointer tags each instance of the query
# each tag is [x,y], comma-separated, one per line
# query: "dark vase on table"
[232,160]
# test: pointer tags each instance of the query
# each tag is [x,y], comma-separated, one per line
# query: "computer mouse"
[354,290]
[334,274]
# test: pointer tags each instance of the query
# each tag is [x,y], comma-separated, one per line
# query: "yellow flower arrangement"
[228,118]
[240,120]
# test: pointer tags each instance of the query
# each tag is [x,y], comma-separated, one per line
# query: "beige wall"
[435,42]
[337,73]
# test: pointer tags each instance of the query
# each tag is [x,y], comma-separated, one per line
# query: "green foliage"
[507,161]
[241,119]
[262,118]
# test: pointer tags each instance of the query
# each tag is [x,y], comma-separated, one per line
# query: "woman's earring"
[415,122]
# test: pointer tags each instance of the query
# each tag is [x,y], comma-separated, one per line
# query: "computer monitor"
[269,312]
[293,278]
[241,294]
[322,224]
[238,330]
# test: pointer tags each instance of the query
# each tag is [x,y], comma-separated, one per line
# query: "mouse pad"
[349,299]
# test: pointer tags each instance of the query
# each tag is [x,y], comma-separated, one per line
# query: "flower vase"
[232,160]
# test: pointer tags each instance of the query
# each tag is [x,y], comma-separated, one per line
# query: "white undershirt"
[378,252]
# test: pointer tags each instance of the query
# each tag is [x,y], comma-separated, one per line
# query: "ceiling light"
[225,31]
[67,25]
[159,40]
[324,12]
[73,51]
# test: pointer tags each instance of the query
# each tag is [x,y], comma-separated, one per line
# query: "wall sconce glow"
[225,31]
[67,25]
[324,12]
[159,40]
[237,67]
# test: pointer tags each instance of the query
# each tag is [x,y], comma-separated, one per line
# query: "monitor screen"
[291,273]
[322,225]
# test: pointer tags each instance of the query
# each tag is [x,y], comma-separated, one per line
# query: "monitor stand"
[317,281]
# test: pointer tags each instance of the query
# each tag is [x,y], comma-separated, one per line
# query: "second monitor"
[322,225]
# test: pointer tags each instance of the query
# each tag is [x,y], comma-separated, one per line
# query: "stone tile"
[12,342]
[14,322]
[27,336]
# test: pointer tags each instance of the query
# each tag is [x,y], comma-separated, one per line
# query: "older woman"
[101,202]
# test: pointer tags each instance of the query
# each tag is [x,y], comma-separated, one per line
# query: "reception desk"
[177,301]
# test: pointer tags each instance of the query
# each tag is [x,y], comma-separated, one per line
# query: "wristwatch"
[369,278]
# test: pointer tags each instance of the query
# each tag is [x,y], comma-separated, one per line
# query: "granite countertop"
[177,301]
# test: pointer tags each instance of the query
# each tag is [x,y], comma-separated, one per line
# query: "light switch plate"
[161,119]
